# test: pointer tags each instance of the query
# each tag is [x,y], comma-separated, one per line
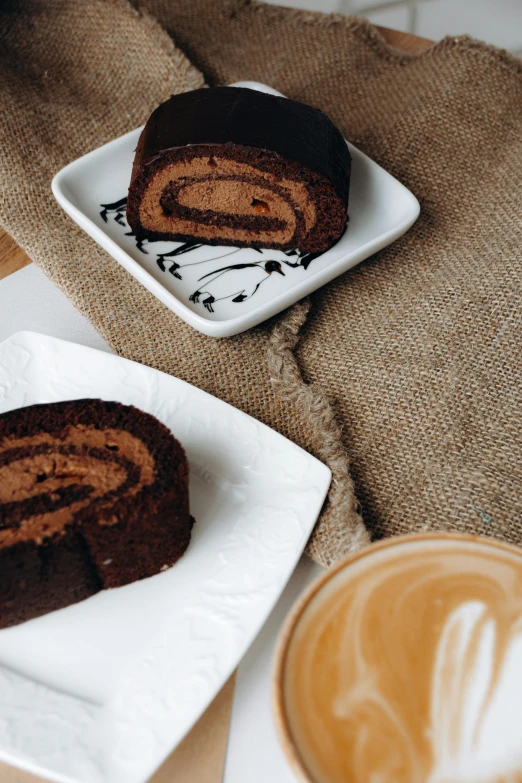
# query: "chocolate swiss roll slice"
[233,166]
[92,495]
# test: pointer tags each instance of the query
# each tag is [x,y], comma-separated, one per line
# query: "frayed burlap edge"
[358,26]
[341,522]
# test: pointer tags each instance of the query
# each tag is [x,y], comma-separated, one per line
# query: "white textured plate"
[101,692]
[93,191]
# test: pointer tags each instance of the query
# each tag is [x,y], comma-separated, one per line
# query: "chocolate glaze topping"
[237,115]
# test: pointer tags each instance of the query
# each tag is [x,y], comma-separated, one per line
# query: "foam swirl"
[406,668]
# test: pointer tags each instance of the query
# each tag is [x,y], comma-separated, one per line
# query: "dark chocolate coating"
[117,538]
[237,115]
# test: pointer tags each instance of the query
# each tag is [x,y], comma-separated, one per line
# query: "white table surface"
[28,300]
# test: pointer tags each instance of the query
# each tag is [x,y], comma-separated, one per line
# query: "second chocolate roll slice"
[234,166]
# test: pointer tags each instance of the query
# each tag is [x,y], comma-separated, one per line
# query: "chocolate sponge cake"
[92,495]
[234,166]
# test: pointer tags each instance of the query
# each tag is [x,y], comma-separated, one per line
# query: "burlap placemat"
[410,363]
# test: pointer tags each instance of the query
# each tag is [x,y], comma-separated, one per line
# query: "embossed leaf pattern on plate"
[102,691]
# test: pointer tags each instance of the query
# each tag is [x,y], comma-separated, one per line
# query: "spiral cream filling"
[245,203]
[45,481]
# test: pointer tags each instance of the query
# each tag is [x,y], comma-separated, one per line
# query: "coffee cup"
[403,664]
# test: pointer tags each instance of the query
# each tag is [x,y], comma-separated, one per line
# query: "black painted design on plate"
[237,282]
[226,283]
[186,247]
[117,209]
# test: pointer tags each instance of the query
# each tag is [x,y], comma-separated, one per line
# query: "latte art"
[406,667]
[476,699]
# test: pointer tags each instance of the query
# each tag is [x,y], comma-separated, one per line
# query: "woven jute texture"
[408,367]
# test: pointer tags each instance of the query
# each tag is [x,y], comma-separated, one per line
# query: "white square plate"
[93,190]
[101,692]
